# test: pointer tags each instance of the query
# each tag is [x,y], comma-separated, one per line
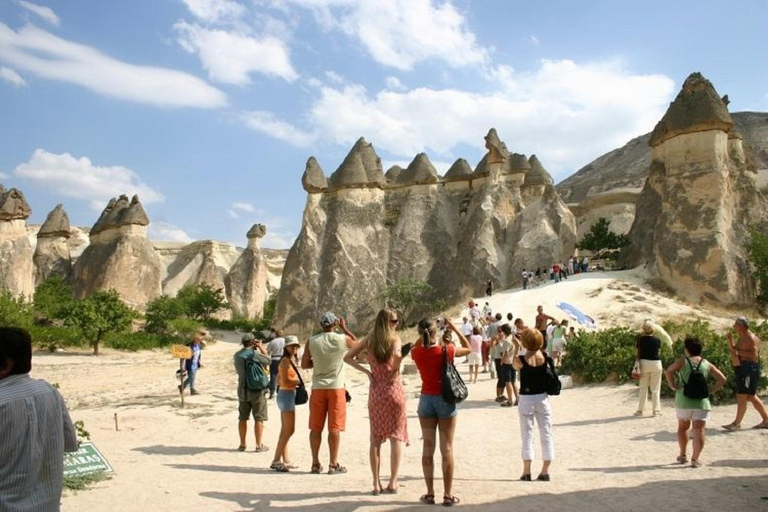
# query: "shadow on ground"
[733,493]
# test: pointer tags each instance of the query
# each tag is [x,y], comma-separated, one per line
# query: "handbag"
[302,396]
[553,381]
[454,389]
[635,374]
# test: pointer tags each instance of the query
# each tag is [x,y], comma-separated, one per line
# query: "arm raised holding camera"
[465,348]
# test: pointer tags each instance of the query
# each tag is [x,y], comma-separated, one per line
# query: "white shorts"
[558,344]
[692,414]
[475,359]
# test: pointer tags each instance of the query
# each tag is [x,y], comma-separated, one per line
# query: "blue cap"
[328,319]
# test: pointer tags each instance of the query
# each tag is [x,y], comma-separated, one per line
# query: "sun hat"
[291,341]
[328,319]
[247,337]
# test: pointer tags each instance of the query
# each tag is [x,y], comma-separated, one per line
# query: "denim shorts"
[286,400]
[433,406]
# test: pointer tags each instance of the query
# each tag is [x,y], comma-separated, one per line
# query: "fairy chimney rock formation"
[693,215]
[354,242]
[246,283]
[16,256]
[419,172]
[120,256]
[360,169]
[314,180]
[52,255]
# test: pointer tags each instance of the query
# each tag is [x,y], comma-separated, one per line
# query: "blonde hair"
[381,340]
[532,340]
[647,327]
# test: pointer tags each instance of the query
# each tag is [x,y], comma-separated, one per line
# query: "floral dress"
[386,404]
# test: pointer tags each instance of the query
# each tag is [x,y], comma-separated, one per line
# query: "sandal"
[695,463]
[262,448]
[763,425]
[506,404]
[526,477]
[449,501]
[543,478]
[638,413]
[279,467]
[682,459]
[389,490]
[427,499]
[335,469]
[241,448]
[316,469]
[375,492]
[731,427]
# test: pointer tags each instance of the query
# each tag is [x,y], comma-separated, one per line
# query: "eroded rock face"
[247,280]
[693,213]
[52,256]
[120,256]
[16,256]
[313,179]
[454,234]
[200,262]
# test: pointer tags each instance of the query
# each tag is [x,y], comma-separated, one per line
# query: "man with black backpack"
[251,362]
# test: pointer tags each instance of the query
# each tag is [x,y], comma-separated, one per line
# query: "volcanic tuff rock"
[246,282]
[692,220]
[200,262]
[454,234]
[120,256]
[52,257]
[313,179]
[361,168]
[16,257]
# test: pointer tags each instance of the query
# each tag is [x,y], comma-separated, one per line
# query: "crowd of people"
[555,272]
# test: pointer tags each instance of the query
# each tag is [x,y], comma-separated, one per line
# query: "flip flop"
[316,469]
[449,501]
[262,448]
[731,427]
[389,490]
[427,499]
[763,425]
[241,448]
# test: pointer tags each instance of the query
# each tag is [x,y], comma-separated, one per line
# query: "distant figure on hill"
[466,327]
[475,358]
[35,431]
[325,353]
[526,279]
[251,402]
[386,396]
[487,310]
[692,410]
[746,361]
[488,288]
[191,365]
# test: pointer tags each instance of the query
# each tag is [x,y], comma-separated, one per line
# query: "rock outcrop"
[364,233]
[200,262]
[247,281]
[120,256]
[691,226]
[16,256]
[52,255]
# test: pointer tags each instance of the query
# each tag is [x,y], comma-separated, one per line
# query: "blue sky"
[209,109]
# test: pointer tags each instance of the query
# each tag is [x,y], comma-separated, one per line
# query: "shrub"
[410,296]
[138,341]
[160,312]
[184,327]
[14,311]
[52,298]
[595,356]
[201,301]
[600,238]
[52,337]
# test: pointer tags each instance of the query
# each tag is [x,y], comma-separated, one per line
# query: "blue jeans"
[433,406]
[274,364]
[190,380]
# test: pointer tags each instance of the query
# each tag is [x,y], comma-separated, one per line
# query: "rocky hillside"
[628,166]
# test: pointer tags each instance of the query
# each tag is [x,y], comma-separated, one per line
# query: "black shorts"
[507,373]
[747,377]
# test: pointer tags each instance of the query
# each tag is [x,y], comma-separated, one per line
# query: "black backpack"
[696,388]
[553,381]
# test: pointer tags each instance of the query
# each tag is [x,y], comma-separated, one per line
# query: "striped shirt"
[35,430]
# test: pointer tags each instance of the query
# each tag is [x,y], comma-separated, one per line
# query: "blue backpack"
[256,379]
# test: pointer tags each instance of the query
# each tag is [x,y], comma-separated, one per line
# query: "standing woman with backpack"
[434,412]
[288,379]
[688,377]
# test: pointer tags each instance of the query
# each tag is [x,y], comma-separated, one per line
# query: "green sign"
[87,459]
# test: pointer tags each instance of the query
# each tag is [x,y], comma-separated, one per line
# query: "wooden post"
[117,429]
[181,388]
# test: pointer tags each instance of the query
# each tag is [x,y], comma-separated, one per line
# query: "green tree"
[99,314]
[201,301]
[161,312]
[410,295]
[14,311]
[52,298]
[758,258]
[600,238]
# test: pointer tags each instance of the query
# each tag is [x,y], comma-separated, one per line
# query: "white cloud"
[394,83]
[233,214]
[566,113]
[230,57]
[534,40]
[334,77]
[266,122]
[278,239]
[245,207]
[48,56]
[44,12]
[3,176]
[12,77]
[66,176]
[401,33]
[166,232]
[213,11]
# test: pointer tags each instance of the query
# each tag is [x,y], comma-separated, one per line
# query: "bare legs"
[375,459]
[741,408]
[334,440]
[429,428]
[396,452]
[287,428]
[242,430]
[315,438]
[698,434]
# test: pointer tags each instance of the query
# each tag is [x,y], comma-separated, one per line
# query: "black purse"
[454,389]
[302,396]
[553,381]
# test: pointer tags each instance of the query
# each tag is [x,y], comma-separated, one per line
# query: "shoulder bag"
[454,389]
[302,396]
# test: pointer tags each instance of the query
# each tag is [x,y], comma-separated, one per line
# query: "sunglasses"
[393,320]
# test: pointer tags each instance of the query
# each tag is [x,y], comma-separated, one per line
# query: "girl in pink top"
[475,358]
